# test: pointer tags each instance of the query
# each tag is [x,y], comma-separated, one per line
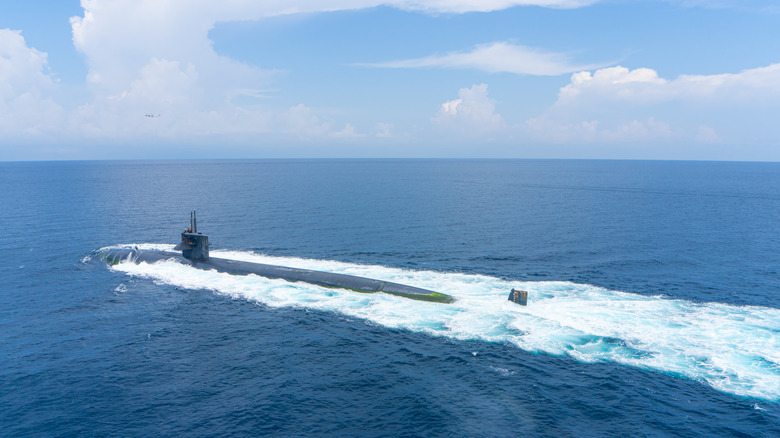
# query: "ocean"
[653,308]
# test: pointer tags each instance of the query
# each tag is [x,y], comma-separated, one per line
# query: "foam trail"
[733,349]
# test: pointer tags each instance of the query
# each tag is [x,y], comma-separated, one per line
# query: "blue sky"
[654,79]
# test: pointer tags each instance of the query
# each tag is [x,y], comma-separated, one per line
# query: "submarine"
[194,247]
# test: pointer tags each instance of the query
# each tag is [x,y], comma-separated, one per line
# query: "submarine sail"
[193,245]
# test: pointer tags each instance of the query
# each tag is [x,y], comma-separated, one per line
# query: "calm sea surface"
[654,299]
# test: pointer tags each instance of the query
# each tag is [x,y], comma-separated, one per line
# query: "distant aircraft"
[152,115]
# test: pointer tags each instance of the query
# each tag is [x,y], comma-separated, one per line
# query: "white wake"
[734,349]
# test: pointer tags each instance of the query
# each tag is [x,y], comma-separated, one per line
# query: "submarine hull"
[319,278]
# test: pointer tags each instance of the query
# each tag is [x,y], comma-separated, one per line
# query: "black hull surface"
[319,278]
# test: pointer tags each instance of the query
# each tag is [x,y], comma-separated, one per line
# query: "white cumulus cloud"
[644,86]
[22,69]
[25,83]
[119,37]
[617,104]
[473,113]
[153,56]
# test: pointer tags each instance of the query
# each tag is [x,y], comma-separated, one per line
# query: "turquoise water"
[653,299]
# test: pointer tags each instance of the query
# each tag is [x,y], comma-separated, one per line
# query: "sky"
[602,79]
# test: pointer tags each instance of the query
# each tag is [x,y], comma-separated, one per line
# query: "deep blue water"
[654,299]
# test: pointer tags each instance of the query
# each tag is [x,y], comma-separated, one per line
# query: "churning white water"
[734,349]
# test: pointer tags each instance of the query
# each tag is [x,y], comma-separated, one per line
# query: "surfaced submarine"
[194,247]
